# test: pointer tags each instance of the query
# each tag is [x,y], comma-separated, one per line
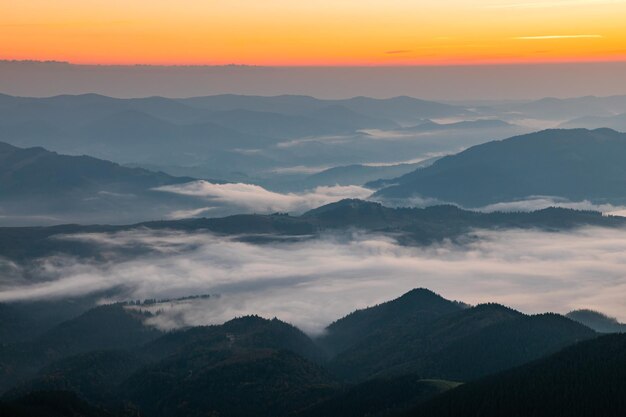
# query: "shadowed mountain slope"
[597,321]
[587,379]
[574,164]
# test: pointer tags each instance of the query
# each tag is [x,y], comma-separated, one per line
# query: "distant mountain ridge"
[574,164]
[552,108]
[400,109]
[39,183]
[411,226]
[360,174]
[36,170]
[227,137]
[617,122]
[597,321]
[68,122]
[470,124]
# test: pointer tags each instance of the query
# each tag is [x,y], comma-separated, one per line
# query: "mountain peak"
[417,306]
[423,296]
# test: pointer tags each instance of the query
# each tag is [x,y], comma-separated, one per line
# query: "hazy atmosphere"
[311,283]
[521,81]
[300,209]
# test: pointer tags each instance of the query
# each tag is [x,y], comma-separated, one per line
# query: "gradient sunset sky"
[315,32]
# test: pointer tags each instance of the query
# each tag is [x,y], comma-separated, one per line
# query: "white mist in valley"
[254,198]
[313,282]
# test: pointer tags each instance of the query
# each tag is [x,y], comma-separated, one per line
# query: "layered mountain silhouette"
[418,355]
[40,185]
[574,164]
[552,108]
[617,122]
[237,138]
[398,109]
[108,360]
[430,126]
[88,123]
[233,137]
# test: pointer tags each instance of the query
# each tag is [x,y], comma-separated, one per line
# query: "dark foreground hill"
[379,397]
[425,334]
[584,380]
[413,308]
[373,362]
[576,164]
[247,366]
[54,404]
[100,328]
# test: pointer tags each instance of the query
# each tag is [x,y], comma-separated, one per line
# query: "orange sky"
[313,32]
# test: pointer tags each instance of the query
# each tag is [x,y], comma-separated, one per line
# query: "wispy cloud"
[332,139]
[300,169]
[398,51]
[430,157]
[548,37]
[185,214]
[528,204]
[533,203]
[254,198]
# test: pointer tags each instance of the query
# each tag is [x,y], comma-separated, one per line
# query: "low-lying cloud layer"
[314,282]
[232,198]
[531,203]
[540,202]
[254,198]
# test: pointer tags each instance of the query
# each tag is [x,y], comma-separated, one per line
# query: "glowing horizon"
[321,33]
